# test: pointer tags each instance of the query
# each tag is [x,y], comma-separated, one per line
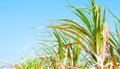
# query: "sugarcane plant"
[83,44]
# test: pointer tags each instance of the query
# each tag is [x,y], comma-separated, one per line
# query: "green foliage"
[82,44]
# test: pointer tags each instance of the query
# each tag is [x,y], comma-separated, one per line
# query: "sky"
[19,17]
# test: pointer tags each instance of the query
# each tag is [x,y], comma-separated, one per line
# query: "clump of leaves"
[83,44]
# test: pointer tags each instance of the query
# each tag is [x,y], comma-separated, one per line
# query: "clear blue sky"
[18,17]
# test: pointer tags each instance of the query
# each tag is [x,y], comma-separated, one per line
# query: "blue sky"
[18,17]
